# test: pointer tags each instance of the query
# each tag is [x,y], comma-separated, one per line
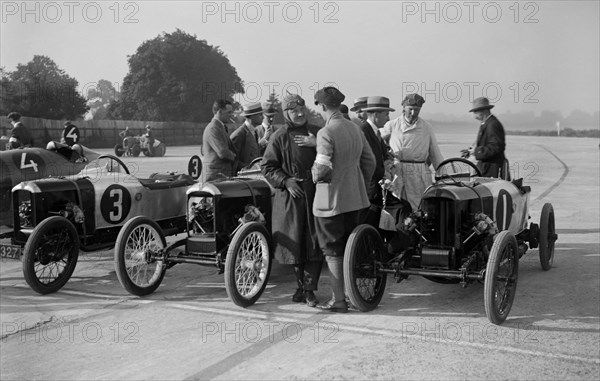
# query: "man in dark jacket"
[490,144]
[219,155]
[20,136]
[286,164]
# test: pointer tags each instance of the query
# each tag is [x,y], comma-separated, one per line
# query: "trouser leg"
[299,273]
[312,273]
[336,269]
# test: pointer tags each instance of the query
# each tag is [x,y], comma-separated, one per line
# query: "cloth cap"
[329,96]
[414,100]
[481,103]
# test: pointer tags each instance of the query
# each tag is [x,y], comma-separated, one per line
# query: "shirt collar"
[373,126]
[486,119]
[219,122]
[250,126]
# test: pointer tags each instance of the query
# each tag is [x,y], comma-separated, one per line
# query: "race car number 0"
[115,204]
[504,210]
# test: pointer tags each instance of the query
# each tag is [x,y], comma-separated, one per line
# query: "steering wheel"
[107,156]
[254,164]
[456,167]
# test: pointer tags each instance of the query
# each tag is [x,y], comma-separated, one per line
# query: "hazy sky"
[526,55]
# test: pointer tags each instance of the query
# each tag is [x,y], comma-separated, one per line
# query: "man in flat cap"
[219,155]
[245,138]
[378,110]
[490,143]
[20,136]
[342,168]
[414,145]
[286,165]
[266,129]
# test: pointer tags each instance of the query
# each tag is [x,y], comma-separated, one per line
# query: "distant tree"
[274,100]
[175,77]
[315,118]
[99,99]
[579,118]
[41,89]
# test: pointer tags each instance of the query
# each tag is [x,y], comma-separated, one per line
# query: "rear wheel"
[139,256]
[364,279]
[501,276]
[50,255]
[547,237]
[248,264]
[135,150]
[160,150]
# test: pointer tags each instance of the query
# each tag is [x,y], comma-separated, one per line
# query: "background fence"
[105,133]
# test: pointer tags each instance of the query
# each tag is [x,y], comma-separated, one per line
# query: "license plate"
[10,251]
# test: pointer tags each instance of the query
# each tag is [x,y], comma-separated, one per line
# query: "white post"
[558,128]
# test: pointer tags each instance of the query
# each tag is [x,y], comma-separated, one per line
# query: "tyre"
[119,151]
[160,150]
[50,255]
[547,237]
[248,264]
[364,279]
[146,152]
[135,150]
[139,256]
[501,276]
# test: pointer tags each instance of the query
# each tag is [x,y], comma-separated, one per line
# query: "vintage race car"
[228,226]
[467,228]
[34,163]
[133,145]
[56,217]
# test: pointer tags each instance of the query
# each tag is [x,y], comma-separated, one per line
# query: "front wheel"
[547,237]
[363,264]
[50,255]
[501,276]
[248,264]
[139,256]
[119,150]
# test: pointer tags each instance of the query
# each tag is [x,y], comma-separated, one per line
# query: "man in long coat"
[490,144]
[413,143]
[286,165]
[342,168]
[218,153]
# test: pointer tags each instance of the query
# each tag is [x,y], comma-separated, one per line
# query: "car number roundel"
[195,167]
[115,204]
[504,210]
[71,134]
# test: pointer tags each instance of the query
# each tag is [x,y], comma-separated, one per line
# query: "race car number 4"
[10,251]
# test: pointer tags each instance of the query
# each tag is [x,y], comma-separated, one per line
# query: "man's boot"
[338,302]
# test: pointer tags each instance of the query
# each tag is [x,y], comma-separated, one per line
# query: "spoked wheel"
[363,263]
[547,237]
[50,255]
[248,264]
[139,256]
[501,277]
[135,150]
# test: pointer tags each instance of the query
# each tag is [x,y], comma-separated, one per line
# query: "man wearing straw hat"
[266,129]
[361,116]
[414,145]
[490,143]
[245,138]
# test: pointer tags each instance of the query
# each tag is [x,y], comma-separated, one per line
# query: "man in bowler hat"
[343,166]
[490,144]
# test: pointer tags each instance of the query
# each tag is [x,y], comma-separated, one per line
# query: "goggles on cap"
[295,103]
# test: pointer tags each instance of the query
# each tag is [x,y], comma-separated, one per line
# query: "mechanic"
[415,147]
[378,110]
[490,143]
[342,168]
[245,138]
[219,155]
[126,133]
[149,136]
[266,129]
[361,116]
[286,166]
[20,136]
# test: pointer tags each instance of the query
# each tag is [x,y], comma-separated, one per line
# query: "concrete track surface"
[188,329]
